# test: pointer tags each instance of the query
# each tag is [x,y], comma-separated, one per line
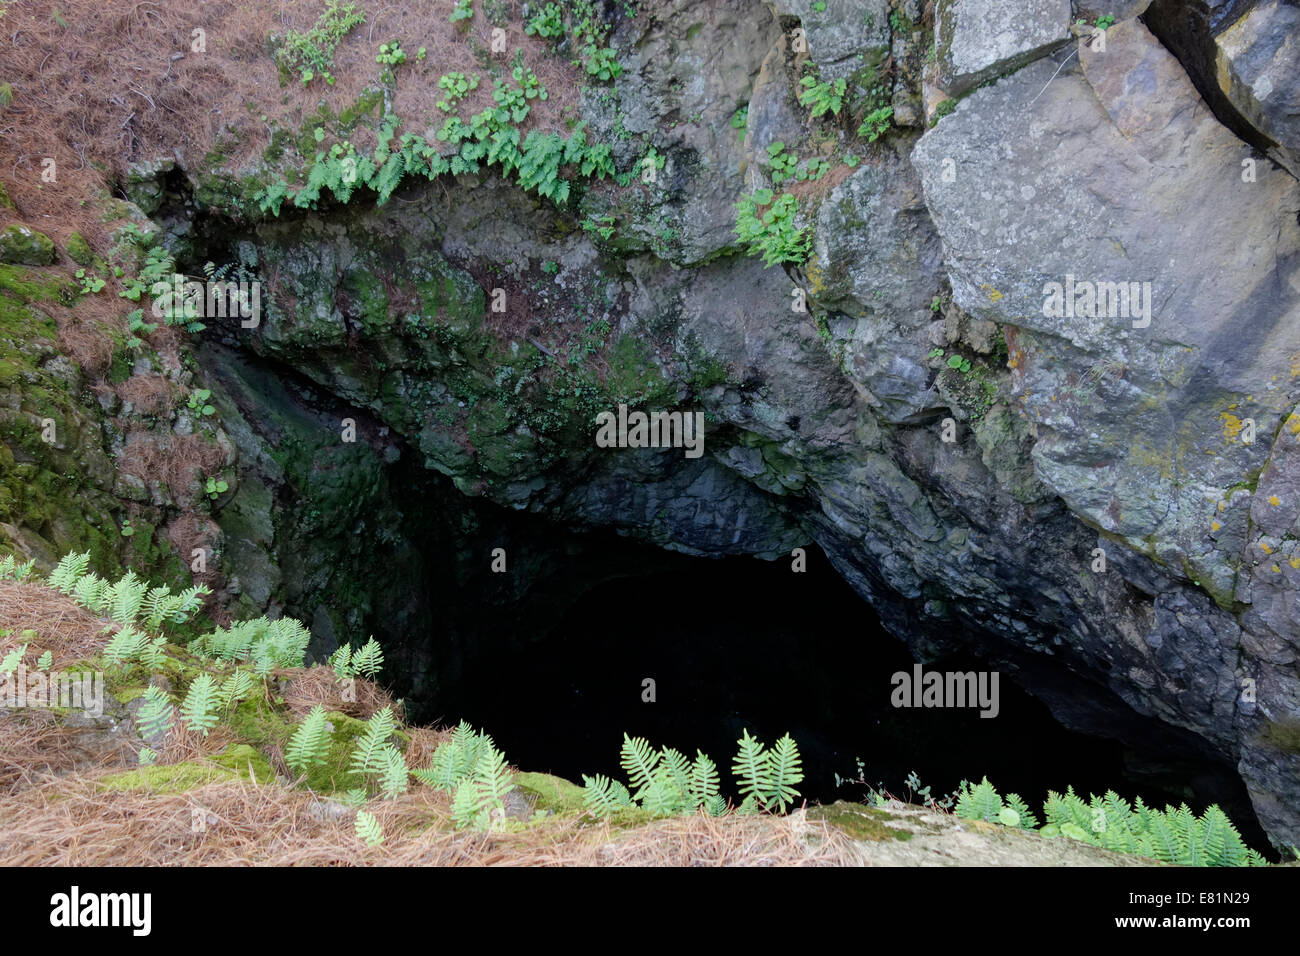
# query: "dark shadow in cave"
[739,643]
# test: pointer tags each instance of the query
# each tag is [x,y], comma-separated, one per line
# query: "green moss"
[23,244]
[50,490]
[78,250]
[551,793]
[859,822]
[1283,735]
[634,377]
[245,760]
[172,778]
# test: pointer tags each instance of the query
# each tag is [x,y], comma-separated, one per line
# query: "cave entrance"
[738,643]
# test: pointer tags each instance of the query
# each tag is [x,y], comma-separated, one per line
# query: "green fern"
[125,645]
[341,661]
[368,829]
[603,796]
[234,689]
[704,784]
[751,769]
[638,760]
[979,802]
[22,572]
[70,570]
[394,775]
[368,755]
[157,714]
[125,598]
[11,660]
[785,769]
[310,743]
[198,708]
[89,592]
[369,660]
[482,795]
[455,760]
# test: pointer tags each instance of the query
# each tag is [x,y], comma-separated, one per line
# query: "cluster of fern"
[474,771]
[665,783]
[1172,835]
[127,600]
[265,643]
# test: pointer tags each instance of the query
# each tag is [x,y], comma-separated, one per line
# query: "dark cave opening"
[738,643]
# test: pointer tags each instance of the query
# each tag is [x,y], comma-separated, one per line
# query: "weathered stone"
[982,39]
[1258,69]
[840,33]
[1242,57]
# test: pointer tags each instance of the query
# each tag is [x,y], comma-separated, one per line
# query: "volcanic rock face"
[1041,401]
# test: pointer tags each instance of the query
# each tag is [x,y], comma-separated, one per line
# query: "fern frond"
[123,599]
[785,769]
[751,769]
[393,777]
[68,572]
[367,757]
[341,661]
[369,660]
[156,714]
[1026,816]
[234,689]
[704,783]
[979,802]
[151,652]
[310,743]
[12,660]
[638,760]
[197,710]
[125,645]
[89,592]
[368,829]
[603,796]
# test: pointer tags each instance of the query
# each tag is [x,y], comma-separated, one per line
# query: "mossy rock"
[79,251]
[23,245]
[171,778]
[245,760]
[858,821]
[550,793]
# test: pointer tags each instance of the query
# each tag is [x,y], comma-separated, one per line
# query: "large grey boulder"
[1258,69]
[1166,432]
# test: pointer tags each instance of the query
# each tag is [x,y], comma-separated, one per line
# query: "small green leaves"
[45,661]
[774,236]
[215,487]
[876,123]
[822,98]
[392,53]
